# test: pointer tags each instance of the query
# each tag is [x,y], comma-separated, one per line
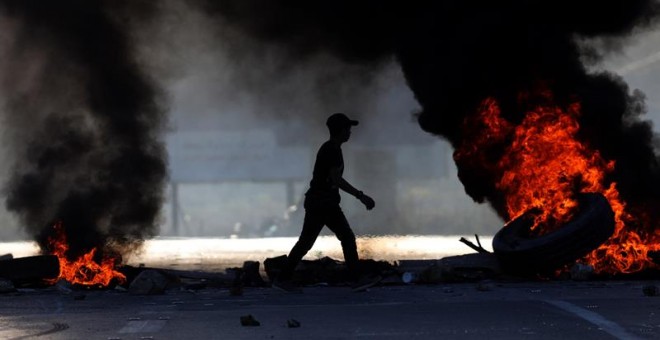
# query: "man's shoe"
[286,286]
[365,283]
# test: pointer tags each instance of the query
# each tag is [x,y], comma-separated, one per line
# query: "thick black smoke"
[84,122]
[454,54]
[480,49]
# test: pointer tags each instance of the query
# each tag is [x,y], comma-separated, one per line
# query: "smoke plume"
[454,54]
[83,123]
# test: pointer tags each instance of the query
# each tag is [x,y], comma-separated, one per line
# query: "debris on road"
[6,286]
[326,270]
[149,282]
[236,288]
[64,287]
[651,290]
[485,285]
[194,286]
[481,268]
[478,247]
[249,321]
[292,323]
[408,277]
[251,275]
[581,272]
[30,270]
[461,268]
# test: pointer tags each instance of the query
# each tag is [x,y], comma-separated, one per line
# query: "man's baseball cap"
[339,120]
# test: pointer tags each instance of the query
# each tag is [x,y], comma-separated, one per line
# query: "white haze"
[639,64]
[223,81]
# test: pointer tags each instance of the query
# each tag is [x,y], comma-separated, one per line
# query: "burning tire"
[520,252]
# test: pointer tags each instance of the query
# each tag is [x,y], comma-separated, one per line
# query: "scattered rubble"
[251,275]
[195,286]
[326,270]
[30,269]
[247,276]
[581,272]
[273,266]
[292,323]
[6,286]
[650,290]
[461,268]
[236,288]
[408,277]
[249,321]
[149,282]
[64,287]
[478,247]
[485,285]
[482,268]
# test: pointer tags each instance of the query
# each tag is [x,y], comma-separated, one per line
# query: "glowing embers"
[84,270]
[539,164]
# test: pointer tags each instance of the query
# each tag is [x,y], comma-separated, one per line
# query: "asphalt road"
[490,310]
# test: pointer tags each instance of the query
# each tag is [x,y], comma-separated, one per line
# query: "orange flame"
[84,270]
[543,167]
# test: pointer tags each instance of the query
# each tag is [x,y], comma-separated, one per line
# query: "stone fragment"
[148,282]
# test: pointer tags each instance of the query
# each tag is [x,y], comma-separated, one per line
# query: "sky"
[639,64]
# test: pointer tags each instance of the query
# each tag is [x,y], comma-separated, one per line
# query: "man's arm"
[343,184]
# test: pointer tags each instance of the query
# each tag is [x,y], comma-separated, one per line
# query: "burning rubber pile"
[544,174]
[86,270]
[85,133]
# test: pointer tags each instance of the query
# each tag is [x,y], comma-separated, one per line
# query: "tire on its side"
[520,253]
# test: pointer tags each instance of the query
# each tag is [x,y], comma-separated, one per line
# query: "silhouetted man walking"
[322,207]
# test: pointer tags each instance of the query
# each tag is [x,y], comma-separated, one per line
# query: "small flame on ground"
[543,167]
[84,270]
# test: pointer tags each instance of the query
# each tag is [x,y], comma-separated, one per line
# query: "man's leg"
[336,221]
[311,228]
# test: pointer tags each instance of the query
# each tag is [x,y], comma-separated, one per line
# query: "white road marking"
[606,325]
[143,326]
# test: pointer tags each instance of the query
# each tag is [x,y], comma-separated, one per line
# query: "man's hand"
[367,201]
